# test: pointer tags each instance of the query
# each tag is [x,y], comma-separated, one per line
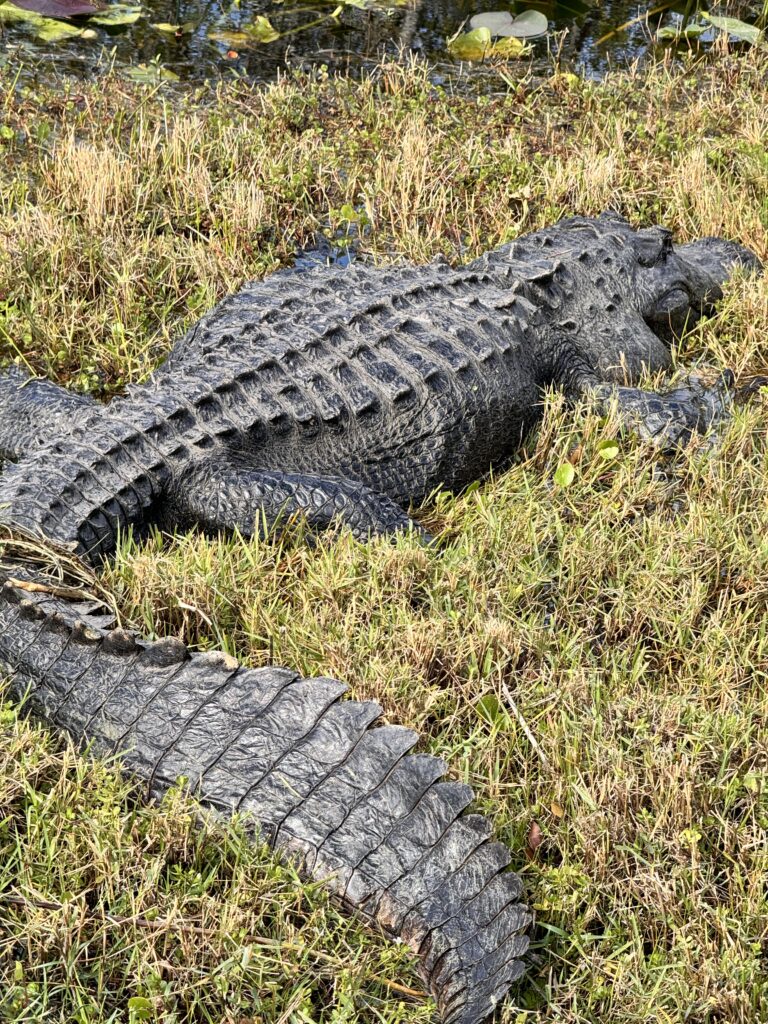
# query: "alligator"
[346,396]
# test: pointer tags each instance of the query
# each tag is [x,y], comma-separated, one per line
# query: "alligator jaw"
[327,786]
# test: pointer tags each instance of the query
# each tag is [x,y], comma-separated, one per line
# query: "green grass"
[623,615]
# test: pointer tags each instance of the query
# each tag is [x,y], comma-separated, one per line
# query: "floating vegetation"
[479,45]
[698,24]
[45,17]
[195,41]
[45,29]
[528,25]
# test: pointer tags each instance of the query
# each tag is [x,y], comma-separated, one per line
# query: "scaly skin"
[344,395]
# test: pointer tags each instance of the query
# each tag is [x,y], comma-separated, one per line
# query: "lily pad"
[177,30]
[117,14]
[478,45]
[495,21]
[59,8]
[260,30]
[527,25]
[47,30]
[54,31]
[736,28]
[230,39]
[151,74]
[691,31]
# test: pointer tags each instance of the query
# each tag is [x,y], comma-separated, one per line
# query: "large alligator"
[345,395]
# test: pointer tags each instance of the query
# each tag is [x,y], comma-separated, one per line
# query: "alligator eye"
[672,310]
[673,303]
[653,246]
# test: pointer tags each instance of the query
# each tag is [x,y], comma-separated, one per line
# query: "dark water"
[355,37]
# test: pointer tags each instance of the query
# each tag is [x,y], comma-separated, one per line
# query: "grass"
[624,615]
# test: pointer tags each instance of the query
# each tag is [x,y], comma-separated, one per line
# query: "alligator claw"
[669,420]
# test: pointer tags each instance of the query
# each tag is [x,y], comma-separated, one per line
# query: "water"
[351,40]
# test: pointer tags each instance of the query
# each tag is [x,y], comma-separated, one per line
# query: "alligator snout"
[713,259]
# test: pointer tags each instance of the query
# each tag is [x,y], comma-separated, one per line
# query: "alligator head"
[677,284]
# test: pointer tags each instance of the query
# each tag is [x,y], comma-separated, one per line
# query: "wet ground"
[197,39]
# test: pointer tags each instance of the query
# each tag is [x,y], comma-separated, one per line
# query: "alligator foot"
[34,411]
[218,498]
[669,420]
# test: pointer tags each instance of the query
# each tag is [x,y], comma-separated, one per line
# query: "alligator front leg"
[216,498]
[33,412]
[669,419]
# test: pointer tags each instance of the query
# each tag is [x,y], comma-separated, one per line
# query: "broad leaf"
[489,708]
[734,27]
[48,30]
[231,39]
[118,14]
[564,475]
[54,31]
[178,30]
[692,31]
[151,74]
[59,8]
[495,21]
[262,30]
[608,449]
[528,25]
[478,44]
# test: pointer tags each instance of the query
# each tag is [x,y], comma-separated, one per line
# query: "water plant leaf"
[51,31]
[527,25]
[564,474]
[262,30]
[177,30]
[495,21]
[151,74]
[47,30]
[734,27]
[691,31]
[117,14]
[472,45]
[59,8]
[478,44]
[233,40]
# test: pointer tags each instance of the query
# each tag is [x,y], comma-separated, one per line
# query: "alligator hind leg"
[229,498]
[670,419]
[34,411]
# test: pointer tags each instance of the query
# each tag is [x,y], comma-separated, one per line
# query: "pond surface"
[197,39]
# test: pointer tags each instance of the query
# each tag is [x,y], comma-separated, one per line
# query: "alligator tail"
[327,786]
